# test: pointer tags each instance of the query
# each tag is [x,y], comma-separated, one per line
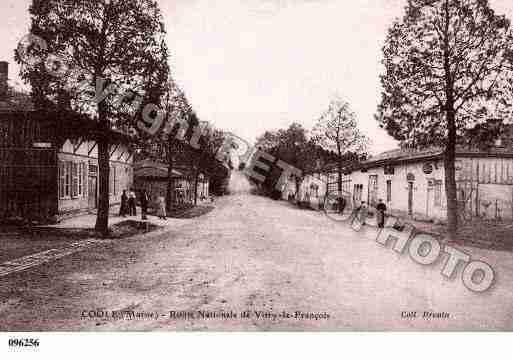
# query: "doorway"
[430,198]
[410,198]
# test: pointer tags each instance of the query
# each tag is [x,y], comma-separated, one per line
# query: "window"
[82,179]
[65,179]
[115,174]
[346,186]
[111,180]
[373,190]
[438,193]
[80,187]
[62,178]
[357,194]
[67,184]
[389,190]
[74,179]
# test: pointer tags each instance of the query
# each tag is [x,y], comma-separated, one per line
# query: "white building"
[412,183]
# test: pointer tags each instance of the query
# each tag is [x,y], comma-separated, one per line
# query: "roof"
[399,156]
[153,169]
[402,155]
[70,124]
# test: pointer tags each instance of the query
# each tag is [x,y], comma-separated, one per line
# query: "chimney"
[4,73]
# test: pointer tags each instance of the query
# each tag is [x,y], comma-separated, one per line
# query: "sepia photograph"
[255,166]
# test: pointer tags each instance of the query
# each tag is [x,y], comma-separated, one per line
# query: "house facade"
[153,177]
[312,190]
[412,184]
[78,181]
[49,166]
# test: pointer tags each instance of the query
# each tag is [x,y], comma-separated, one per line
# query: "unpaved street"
[251,254]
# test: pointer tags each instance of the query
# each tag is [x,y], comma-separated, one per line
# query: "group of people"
[361,212]
[129,204]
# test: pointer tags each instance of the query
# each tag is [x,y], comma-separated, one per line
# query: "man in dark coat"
[341,204]
[123,209]
[381,209]
[144,204]
[132,209]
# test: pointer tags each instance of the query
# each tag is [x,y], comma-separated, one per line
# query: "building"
[312,190]
[412,183]
[49,163]
[153,177]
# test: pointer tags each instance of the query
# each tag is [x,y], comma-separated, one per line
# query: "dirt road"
[289,269]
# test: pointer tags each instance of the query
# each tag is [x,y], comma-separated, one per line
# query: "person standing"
[341,204]
[381,208]
[144,204]
[161,210]
[132,209]
[123,209]
[363,212]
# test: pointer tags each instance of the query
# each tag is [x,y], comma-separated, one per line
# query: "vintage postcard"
[256,165]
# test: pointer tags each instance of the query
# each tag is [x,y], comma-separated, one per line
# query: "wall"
[313,190]
[85,153]
[489,186]
[27,170]
[485,187]
[423,204]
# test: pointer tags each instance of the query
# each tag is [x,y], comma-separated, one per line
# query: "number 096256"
[23,342]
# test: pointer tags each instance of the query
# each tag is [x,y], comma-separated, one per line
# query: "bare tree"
[337,130]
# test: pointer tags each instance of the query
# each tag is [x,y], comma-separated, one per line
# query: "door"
[430,198]
[93,192]
[410,198]
[372,198]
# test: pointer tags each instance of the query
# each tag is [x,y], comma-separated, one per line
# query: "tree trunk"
[196,175]
[339,180]
[102,219]
[450,147]
[450,177]
[170,190]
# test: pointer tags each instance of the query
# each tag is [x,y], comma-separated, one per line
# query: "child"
[161,210]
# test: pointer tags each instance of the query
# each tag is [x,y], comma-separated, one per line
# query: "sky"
[248,66]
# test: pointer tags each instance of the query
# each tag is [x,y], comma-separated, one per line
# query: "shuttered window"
[84,179]
[62,179]
[114,181]
[67,184]
[74,179]
[81,179]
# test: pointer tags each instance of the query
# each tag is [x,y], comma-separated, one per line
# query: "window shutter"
[114,184]
[74,182]
[110,180]
[80,180]
[67,192]
[84,180]
[62,179]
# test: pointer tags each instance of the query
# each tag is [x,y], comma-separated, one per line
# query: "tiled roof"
[403,155]
[400,155]
[148,168]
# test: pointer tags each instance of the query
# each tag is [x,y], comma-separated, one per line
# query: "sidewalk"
[22,250]
[88,221]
